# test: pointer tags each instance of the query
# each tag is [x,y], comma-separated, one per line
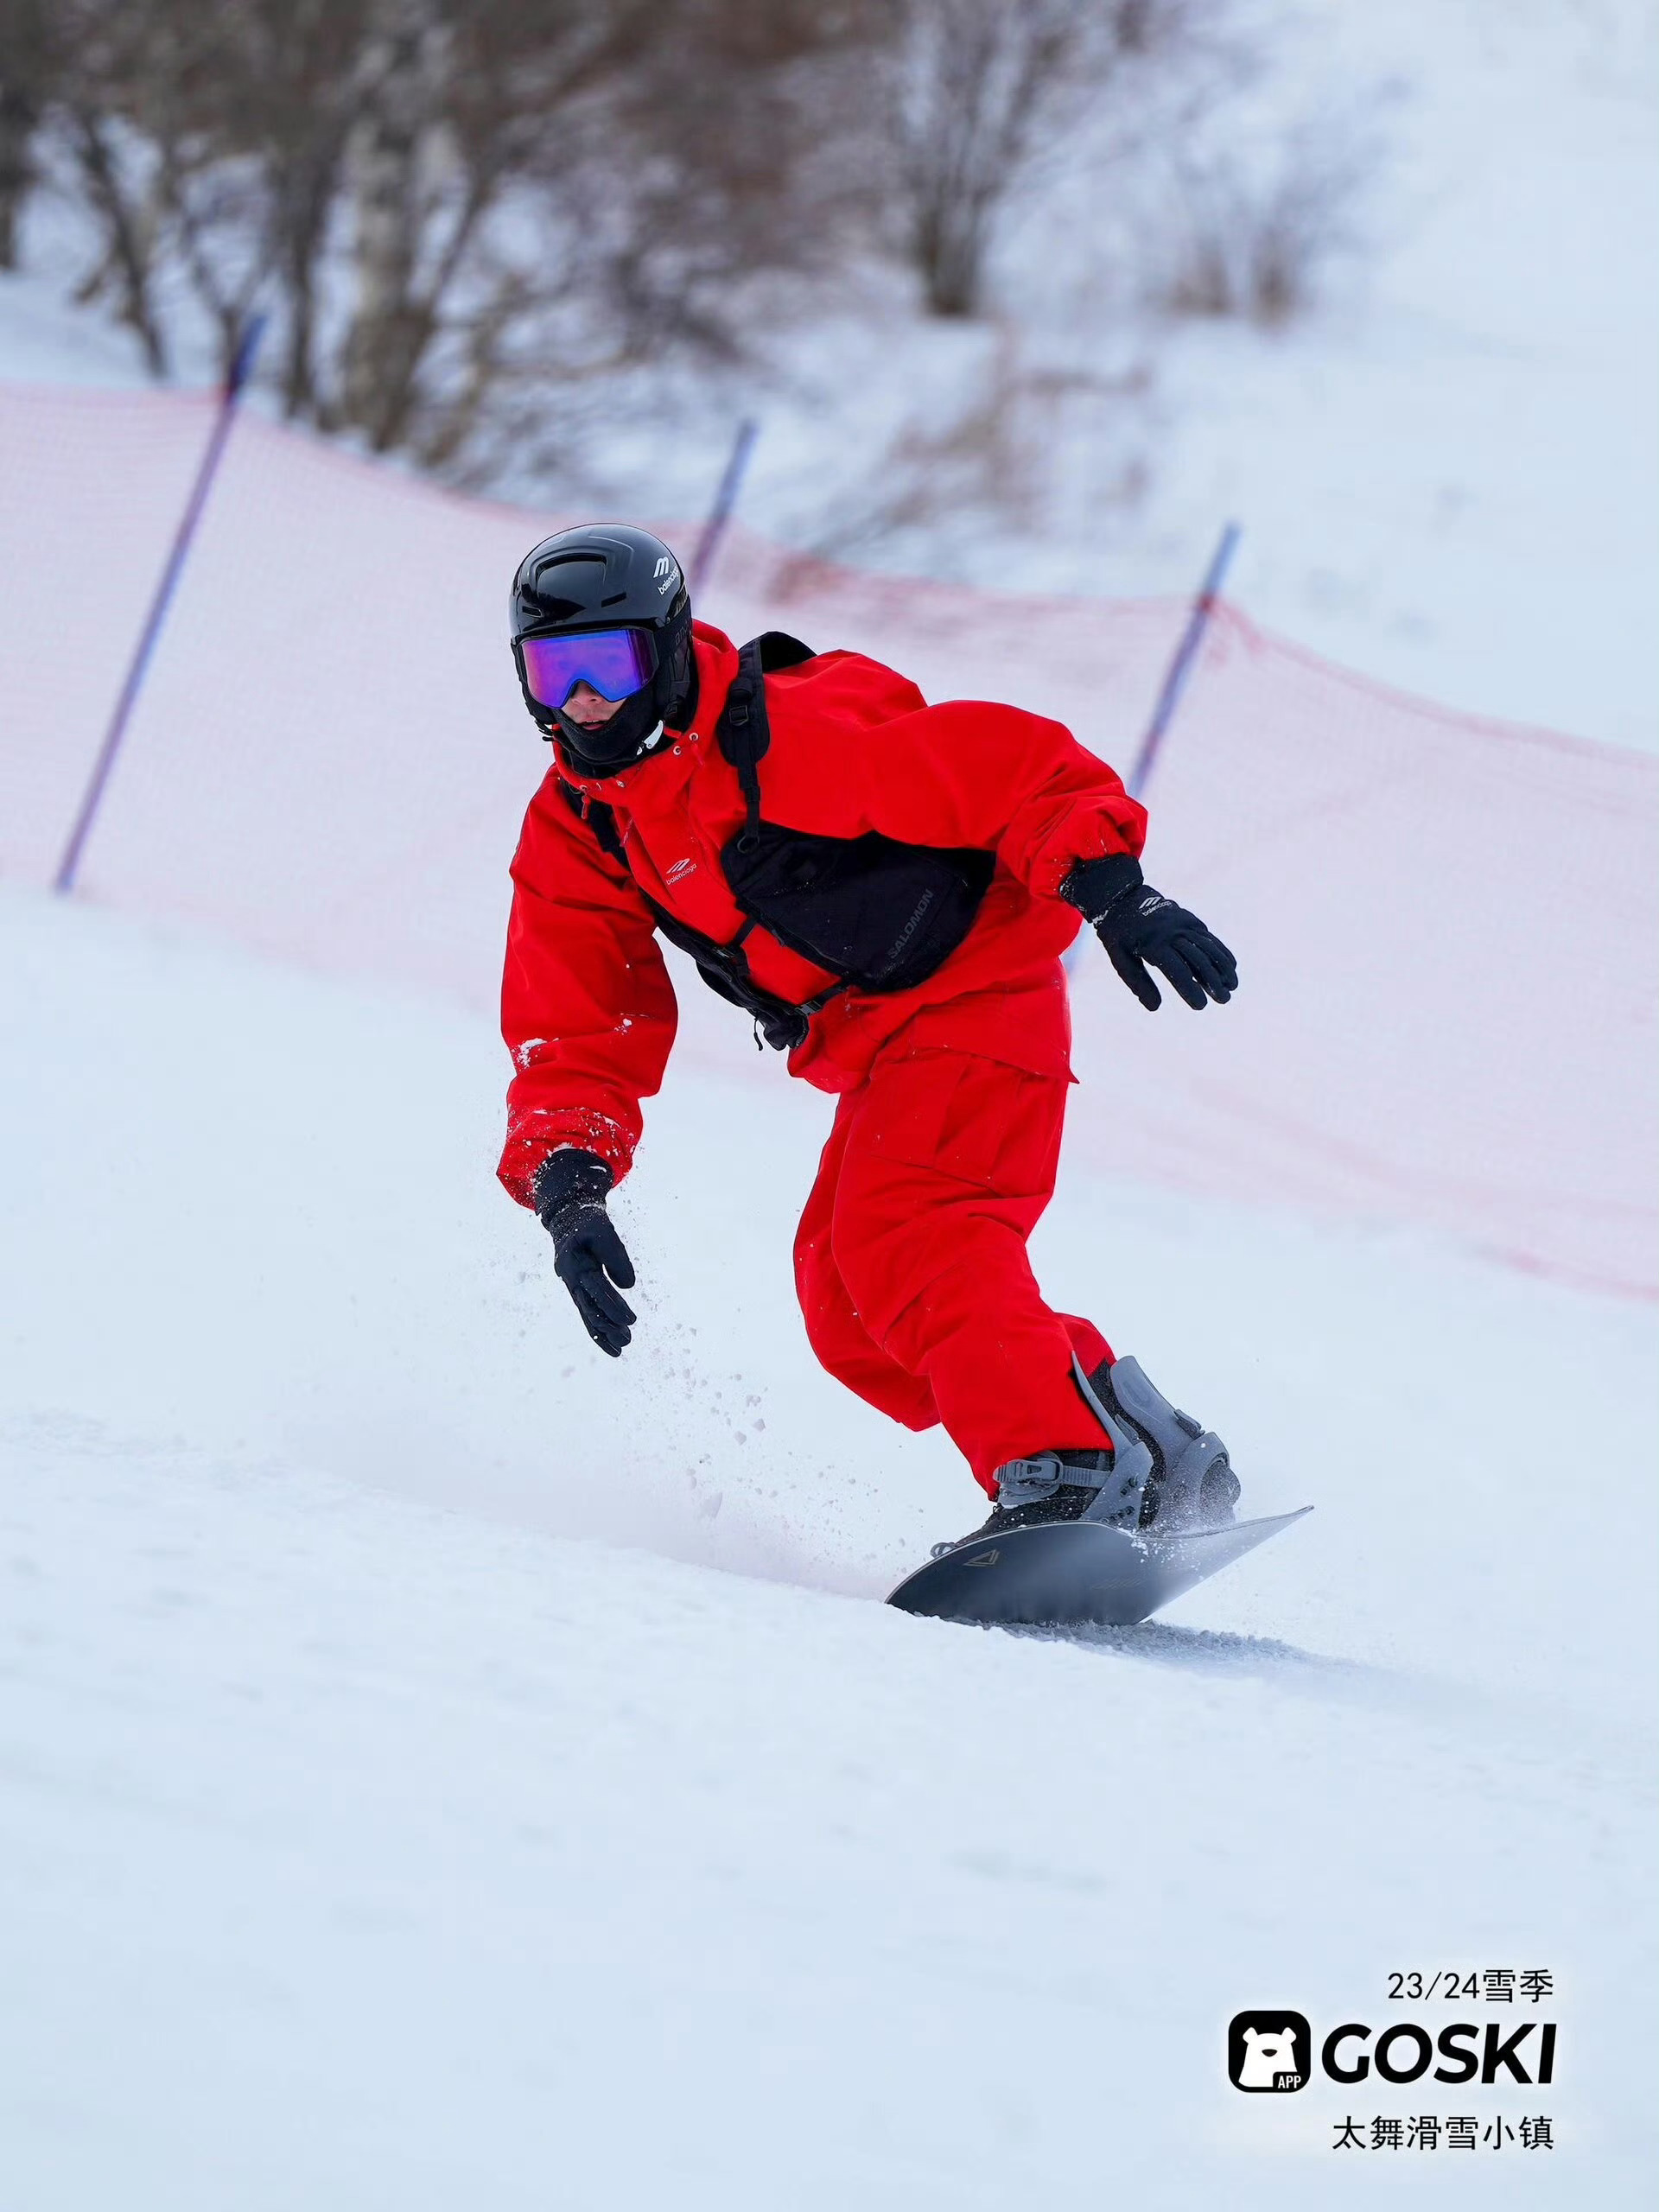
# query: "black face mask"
[628,736]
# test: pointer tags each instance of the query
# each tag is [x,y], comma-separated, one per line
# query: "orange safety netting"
[1446,925]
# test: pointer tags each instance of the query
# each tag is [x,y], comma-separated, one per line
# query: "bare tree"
[737,120]
[257,167]
[30,58]
[444,198]
[157,117]
[1252,230]
[70,66]
[980,92]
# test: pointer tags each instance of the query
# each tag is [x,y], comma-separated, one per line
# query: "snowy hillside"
[441,1766]
[1448,475]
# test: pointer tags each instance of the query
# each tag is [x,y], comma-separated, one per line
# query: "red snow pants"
[911,1261]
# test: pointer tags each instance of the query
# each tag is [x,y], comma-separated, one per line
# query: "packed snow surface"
[439,1765]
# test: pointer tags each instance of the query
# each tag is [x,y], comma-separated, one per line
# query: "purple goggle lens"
[615,663]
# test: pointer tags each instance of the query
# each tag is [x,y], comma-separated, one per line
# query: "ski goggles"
[614,662]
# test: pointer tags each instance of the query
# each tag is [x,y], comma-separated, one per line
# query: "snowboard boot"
[1056,1486]
[1163,1470]
[1190,1483]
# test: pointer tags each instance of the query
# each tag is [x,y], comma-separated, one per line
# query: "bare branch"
[977,86]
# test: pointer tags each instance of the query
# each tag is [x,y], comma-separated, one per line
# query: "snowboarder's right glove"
[1138,925]
[589,1258]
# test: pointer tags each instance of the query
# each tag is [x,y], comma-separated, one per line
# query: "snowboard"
[1076,1573]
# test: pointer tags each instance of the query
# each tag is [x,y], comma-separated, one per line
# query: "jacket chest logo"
[680,869]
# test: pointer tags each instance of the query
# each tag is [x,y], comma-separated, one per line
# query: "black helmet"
[608,577]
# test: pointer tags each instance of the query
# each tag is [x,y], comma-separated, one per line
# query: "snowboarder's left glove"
[590,1259]
[1138,925]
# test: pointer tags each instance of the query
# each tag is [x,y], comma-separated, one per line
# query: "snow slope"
[439,1766]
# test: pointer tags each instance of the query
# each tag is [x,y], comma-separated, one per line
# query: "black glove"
[1137,924]
[589,1258]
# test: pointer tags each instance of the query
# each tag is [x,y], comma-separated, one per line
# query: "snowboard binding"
[1164,1469]
[1188,1482]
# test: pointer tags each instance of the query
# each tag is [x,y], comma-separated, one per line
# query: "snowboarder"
[886,887]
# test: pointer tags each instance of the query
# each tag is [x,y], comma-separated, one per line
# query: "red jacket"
[587,1007]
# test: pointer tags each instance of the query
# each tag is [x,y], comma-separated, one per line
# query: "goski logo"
[1268,2050]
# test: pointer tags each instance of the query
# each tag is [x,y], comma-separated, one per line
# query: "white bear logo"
[1268,2054]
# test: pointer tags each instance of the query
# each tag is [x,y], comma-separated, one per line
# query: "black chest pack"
[880,916]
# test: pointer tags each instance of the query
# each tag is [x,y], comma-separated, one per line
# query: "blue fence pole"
[725,500]
[241,368]
[1185,654]
[1175,683]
